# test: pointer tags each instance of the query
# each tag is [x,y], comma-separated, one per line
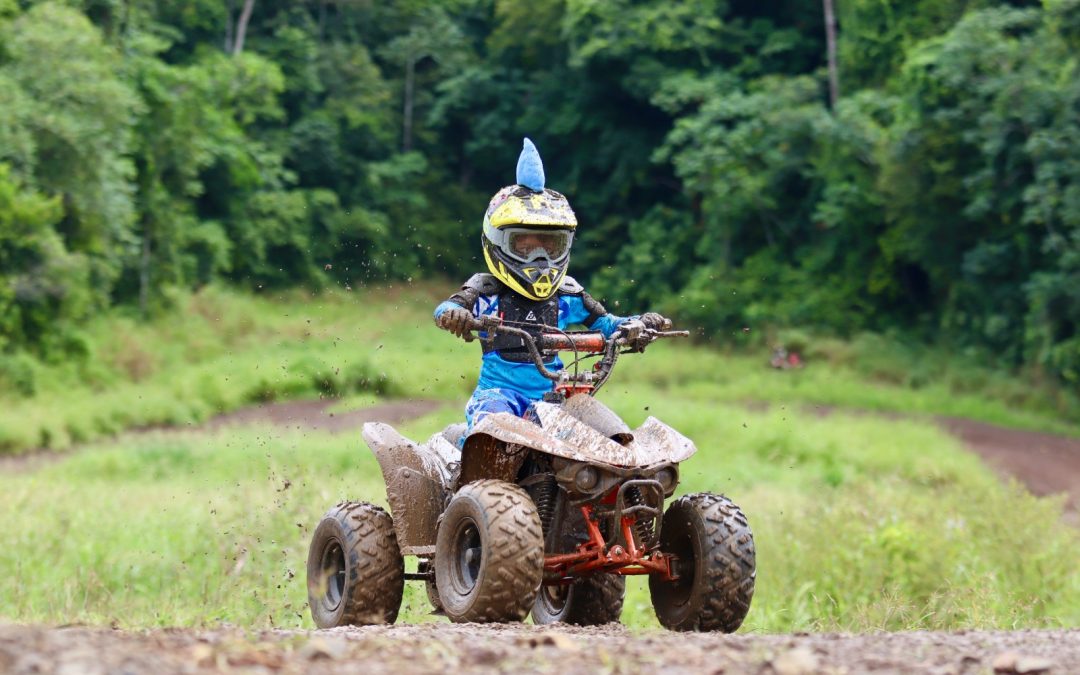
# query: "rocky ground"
[444,648]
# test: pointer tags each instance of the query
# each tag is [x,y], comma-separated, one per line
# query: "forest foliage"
[147,148]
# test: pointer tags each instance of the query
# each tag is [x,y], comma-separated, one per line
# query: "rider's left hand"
[654,321]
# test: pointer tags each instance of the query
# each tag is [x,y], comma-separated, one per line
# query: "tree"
[76,118]
[44,289]
[433,36]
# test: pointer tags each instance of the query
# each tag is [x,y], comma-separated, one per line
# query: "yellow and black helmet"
[528,231]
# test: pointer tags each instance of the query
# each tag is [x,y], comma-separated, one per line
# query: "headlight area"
[668,477]
[583,481]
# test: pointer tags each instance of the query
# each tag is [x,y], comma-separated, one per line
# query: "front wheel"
[489,553]
[355,572]
[716,565]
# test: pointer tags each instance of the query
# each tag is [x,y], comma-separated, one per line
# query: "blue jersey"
[575,307]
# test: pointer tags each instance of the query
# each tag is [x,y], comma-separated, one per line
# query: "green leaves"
[78,111]
[43,287]
[939,198]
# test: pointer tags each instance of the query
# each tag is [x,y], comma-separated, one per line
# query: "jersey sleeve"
[582,308]
[447,305]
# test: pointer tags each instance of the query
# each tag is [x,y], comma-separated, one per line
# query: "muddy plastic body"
[420,479]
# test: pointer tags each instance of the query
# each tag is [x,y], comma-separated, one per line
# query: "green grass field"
[861,522]
[220,350]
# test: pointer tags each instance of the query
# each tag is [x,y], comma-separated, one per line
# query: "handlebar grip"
[484,323]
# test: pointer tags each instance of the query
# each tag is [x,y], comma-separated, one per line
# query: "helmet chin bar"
[528,280]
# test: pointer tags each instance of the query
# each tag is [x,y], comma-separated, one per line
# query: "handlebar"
[590,342]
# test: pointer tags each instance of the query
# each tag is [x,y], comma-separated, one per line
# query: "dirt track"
[1046,463]
[442,648]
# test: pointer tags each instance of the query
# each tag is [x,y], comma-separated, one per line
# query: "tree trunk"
[144,272]
[242,24]
[830,45]
[228,27]
[410,76]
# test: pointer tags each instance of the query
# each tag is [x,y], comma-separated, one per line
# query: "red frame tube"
[594,556]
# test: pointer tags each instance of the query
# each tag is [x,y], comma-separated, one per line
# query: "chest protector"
[531,315]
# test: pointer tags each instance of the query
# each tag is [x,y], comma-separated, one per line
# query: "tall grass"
[221,350]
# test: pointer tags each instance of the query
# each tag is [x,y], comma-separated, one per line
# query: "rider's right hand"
[458,321]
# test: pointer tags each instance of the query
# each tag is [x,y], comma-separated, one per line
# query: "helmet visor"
[527,245]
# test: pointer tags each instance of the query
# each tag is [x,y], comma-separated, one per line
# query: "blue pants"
[487,401]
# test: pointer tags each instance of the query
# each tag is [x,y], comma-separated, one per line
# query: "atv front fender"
[563,434]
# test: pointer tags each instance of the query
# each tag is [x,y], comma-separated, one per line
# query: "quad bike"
[546,513]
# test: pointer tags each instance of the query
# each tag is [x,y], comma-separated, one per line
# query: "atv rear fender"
[418,482]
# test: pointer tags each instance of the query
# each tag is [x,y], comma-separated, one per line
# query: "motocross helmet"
[528,231]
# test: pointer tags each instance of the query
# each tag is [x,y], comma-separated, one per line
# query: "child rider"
[527,235]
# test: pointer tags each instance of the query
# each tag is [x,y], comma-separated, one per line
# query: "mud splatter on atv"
[544,514]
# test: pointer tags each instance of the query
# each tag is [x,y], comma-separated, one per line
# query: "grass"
[861,522]
[221,350]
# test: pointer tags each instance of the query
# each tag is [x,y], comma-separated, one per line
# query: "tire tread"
[730,567]
[513,553]
[375,569]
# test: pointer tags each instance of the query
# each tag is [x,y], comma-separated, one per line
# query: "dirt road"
[442,648]
[1046,463]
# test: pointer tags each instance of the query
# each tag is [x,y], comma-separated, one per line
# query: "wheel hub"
[333,572]
[469,556]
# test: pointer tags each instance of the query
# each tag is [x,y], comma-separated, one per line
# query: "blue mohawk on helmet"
[530,170]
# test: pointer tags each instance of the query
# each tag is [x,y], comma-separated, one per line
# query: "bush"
[18,374]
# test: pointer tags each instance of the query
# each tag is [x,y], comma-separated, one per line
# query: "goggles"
[529,244]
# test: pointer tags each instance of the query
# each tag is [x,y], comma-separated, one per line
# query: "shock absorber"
[545,493]
[641,528]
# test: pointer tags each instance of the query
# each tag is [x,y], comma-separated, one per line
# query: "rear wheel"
[425,567]
[591,601]
[355,572]
[716,565]
[489,557]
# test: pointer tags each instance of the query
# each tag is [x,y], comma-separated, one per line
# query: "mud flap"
[417,483]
